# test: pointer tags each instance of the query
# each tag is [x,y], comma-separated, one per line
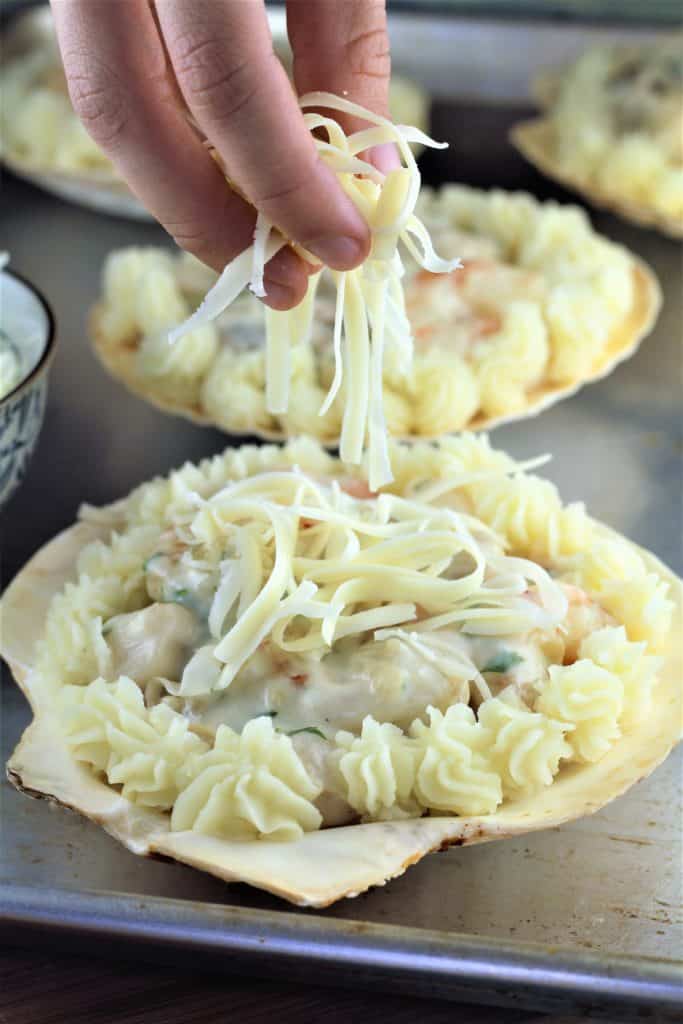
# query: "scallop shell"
[534,139]
[323,866]
[119,358]
[102,192]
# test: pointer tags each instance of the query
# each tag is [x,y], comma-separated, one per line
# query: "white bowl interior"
[24,322]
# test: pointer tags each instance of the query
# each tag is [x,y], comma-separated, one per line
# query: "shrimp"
[490,287]
[437,307]
[469,304]
[356,487]
[584,616]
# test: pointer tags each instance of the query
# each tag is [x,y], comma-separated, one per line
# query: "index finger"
[239,94]
[122,88]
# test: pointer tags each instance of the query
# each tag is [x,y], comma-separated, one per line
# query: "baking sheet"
[590,912]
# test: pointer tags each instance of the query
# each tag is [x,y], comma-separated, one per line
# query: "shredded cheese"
[370,315]
[302,564]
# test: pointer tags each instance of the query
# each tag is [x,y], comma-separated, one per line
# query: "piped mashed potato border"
[598,302]
[577,143]
[155,763]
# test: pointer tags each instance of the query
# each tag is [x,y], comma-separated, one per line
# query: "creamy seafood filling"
[645,93]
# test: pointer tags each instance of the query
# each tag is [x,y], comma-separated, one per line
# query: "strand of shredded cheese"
[340,281]
[304,564]
[370,308]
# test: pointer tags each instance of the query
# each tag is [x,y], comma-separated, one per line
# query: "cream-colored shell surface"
[100,191]
[534,140]
[119,358]
[322,866]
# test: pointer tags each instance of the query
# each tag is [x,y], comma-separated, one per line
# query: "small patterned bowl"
[22,409]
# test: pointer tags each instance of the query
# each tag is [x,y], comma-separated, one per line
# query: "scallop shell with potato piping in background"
[323,865]
[612,130]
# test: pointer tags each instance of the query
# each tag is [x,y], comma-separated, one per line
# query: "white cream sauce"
[393,679]
[11,370]
[388,680]
[385,679]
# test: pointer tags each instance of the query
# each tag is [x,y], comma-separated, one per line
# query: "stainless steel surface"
[399,959]
[581,11]
[496,58]
[587,894]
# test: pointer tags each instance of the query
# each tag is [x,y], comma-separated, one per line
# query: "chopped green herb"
[308,728]
[502,661]
[181,592]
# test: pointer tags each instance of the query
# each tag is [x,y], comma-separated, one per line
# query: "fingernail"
[337,251]
[311,268]
[279,295]
[385,157]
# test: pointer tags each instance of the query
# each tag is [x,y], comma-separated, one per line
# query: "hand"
[131,65]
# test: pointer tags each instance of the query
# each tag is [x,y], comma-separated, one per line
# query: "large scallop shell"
[534,139]
[119,358]
[327,865]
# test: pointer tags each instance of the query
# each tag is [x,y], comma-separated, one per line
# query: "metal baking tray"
[587,915]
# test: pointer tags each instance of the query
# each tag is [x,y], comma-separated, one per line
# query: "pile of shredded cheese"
[306,565]
[370,311]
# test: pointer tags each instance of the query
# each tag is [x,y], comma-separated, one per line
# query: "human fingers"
[122,88]
[343,48]
[239,94]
